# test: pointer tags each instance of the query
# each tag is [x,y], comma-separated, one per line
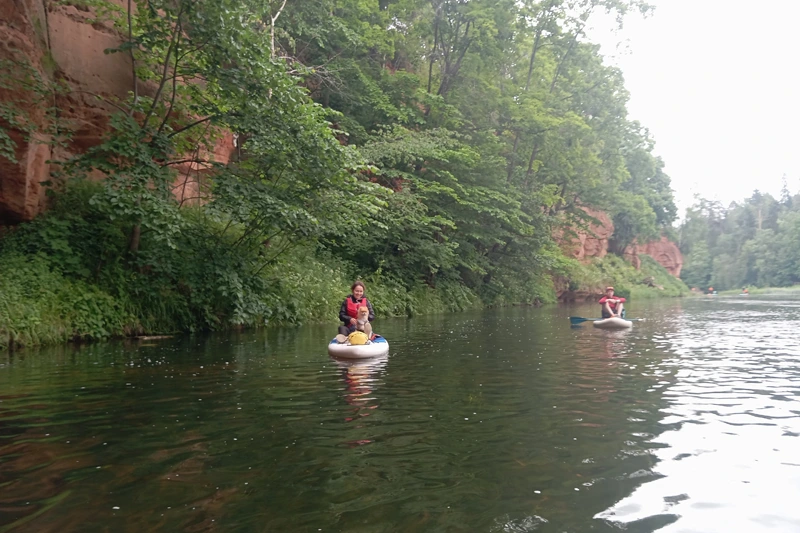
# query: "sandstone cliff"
[663,250]
[592,242]
[23,42]
[64,44]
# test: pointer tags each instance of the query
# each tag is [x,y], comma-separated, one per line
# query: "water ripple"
[734,404]
[507,420]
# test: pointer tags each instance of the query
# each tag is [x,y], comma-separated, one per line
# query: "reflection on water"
[730,443]
[504,421]
[360,376]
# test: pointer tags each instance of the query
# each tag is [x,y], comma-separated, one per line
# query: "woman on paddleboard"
[349,310]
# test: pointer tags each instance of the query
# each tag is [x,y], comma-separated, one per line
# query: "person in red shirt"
[612,305]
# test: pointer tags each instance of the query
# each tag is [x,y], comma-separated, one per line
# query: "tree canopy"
[492,122]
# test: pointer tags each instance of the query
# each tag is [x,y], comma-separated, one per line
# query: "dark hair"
[358,284]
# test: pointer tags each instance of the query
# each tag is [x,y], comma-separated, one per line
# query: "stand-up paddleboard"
[608,323]
[375,347]
[613,323]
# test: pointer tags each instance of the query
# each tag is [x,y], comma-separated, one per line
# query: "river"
[497,421]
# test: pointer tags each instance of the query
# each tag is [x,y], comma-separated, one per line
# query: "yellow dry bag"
[358,337]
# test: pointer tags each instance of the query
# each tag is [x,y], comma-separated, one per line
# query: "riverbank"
[51,295]
[71,275]
[651,281]
[795,289]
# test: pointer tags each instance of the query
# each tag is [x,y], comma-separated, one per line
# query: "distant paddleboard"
[613,323]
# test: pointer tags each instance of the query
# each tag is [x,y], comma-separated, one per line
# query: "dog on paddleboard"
[362,321]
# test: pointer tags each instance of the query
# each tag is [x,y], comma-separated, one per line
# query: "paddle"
[575,320]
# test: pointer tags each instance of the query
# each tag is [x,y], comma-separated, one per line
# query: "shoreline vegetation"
[51,293]
[46,307]
[431,149]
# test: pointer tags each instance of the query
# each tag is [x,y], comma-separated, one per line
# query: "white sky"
[717,84]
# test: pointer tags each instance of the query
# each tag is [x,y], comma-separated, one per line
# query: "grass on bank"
[42,305]
[651,281]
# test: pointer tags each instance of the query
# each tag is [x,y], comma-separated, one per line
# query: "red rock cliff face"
[20,192]
[62,37]
[593,242]
[664,251]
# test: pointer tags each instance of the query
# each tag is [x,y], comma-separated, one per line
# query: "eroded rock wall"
[66,43]
[665,252]
[591,242]
[23,48]
[77,46]
[586,244]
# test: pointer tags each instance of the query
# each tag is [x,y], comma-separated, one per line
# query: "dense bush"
[39,305]
[68,276]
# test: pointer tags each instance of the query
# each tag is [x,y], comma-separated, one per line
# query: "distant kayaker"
[612,305]
[348,313]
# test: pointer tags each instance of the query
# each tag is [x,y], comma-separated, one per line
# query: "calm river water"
[500,421]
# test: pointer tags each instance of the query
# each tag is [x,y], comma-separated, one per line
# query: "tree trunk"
[536,40]
[564,58]
[136,235]
[433,50]
[512,157]
[534,153]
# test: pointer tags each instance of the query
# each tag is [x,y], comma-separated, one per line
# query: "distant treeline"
[752,243]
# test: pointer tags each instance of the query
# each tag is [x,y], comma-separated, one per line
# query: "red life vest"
[352,308]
